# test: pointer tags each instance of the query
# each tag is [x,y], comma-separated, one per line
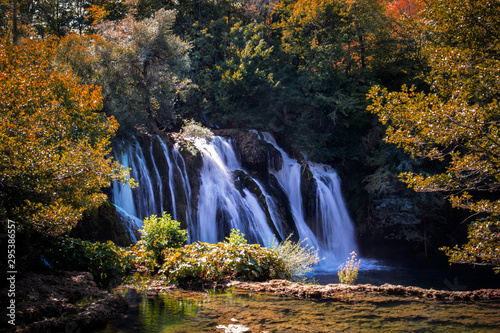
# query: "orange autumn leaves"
[53,142]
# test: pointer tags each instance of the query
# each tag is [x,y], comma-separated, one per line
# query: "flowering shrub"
[194,130]
[348,272]
[298,259]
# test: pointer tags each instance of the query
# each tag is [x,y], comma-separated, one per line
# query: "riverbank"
[72,302]
[339,291]
[61,302]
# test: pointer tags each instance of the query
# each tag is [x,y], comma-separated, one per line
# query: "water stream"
[236,310]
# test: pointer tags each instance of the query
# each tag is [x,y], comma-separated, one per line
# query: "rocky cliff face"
[241,180]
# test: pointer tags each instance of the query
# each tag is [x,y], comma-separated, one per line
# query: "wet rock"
[338,291]
[254,152]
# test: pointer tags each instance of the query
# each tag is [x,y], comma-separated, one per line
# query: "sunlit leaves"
[142,67]
[53,142]
[458,123]
[483,245]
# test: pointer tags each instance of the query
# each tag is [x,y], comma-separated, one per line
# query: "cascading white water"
[159,184]
[122,193]
[334,234]
[289,178]
[272,208]
[332,218]
[171,179]
[220,204]
[147,205]
[225,202]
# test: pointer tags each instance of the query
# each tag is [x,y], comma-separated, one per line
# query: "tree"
[458,124]
[141,66]
[53,142]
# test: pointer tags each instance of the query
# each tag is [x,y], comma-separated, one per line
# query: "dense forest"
[400,96]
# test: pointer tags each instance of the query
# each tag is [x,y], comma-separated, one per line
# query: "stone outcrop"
[256,154]
[339,291]
[67,302]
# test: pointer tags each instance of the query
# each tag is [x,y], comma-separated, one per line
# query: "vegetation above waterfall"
[72,71]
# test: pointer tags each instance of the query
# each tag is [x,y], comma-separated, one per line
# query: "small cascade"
[171,179]
[147,205]
[289,177]
[159,184]
[180,164]
[335,228]
[122,193]
[221,206]
[273,208]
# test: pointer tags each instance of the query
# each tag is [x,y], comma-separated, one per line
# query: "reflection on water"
[184,311]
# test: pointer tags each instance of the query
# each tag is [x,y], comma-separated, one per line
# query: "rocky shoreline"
[339,291]
[72,302]
[66,302]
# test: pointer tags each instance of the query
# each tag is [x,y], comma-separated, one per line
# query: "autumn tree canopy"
[458,123]
[53,142]
[149,72]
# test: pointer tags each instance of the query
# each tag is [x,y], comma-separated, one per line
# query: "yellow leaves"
[53,145]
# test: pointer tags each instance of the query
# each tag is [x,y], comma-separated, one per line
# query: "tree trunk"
[14,22]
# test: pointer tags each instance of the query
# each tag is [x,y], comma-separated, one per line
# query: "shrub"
[200,263]
[348,272]
[298,259]
[104,261]
[236,238]
[194,130]
[162,233]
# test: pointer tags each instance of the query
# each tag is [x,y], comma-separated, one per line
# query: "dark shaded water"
[439,277]
[237,310]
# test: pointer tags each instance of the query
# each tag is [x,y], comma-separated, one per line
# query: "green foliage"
[236,238]
[194,130]
[144,261]
[200,263]
[103,260]
[149,75]
[458,123]
[297,259]
[348,272]
[482,247]
[54,141]
[162,233]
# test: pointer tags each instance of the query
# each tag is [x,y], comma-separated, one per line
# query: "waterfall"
[225,196]
[289,177]
[332,218]
[159,185]
[186,186]
[221,206]
[171,179]
[122,193]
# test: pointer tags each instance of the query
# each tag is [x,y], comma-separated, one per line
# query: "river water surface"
[234,310]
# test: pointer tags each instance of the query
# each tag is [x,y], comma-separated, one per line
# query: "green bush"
[236,238]
[348,272]
[298,259]
[104,261]
[200,263]
[194,130]
[162,233]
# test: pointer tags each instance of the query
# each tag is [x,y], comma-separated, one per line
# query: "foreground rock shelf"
[339,291]
[66,302]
